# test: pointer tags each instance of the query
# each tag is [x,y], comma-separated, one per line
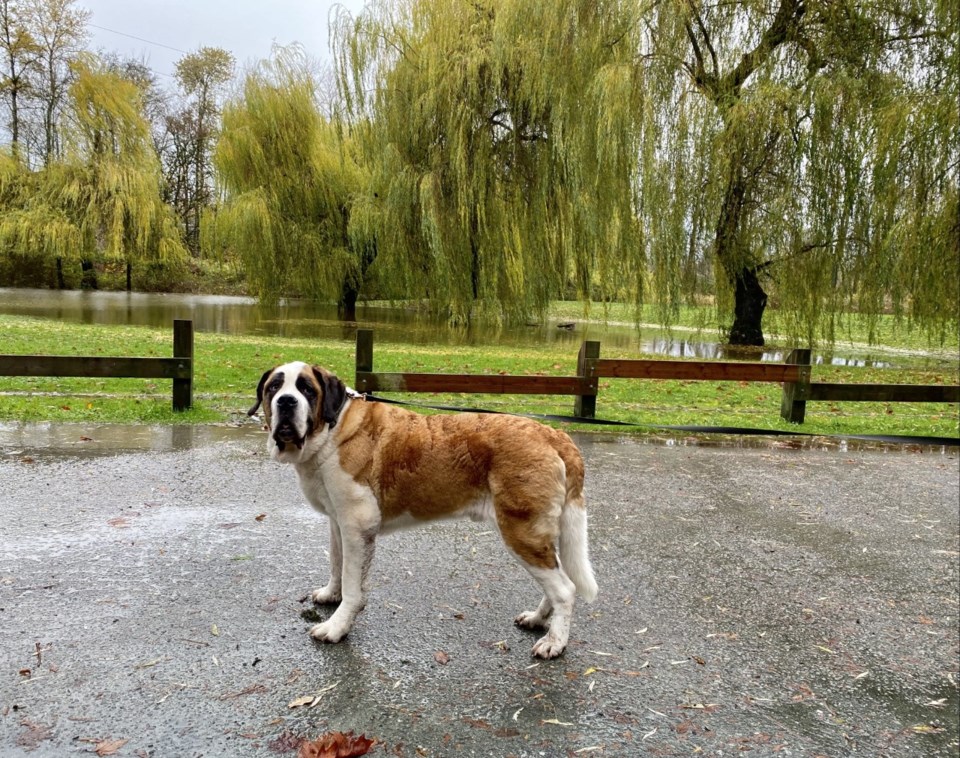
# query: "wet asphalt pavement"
[766,601]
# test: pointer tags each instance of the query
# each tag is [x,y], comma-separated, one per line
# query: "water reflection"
[31,439]
[677,348]
[48,442]
[302,319]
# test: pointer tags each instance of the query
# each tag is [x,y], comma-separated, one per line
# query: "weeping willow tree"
[102,201]
[806,149]
[501,140]
[288,180]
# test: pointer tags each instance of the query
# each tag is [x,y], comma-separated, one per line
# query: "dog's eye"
[307,391]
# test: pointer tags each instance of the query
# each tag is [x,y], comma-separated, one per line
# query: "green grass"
[228,368]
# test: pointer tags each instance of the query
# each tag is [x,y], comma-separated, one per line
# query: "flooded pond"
[295,318]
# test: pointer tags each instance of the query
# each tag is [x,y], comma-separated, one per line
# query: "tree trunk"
[749,303]
[61,284]
[749,298]
[129,278]
[88,279]
[347,307]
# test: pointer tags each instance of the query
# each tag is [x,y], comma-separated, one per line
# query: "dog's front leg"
[357,537]
[331,593]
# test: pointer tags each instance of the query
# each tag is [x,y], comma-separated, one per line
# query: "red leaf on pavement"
[336,745]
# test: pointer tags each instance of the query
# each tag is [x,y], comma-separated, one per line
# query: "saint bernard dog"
[372,468]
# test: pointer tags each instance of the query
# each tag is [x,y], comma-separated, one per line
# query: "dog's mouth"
[286,434]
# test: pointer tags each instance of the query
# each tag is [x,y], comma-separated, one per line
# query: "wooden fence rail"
[794,375]
[179,368]
[797,393]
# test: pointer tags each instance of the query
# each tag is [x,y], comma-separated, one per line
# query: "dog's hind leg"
[559,595]
[530,529]
[535,619]
[331,592]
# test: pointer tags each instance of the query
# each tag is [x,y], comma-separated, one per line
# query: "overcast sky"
[247,28]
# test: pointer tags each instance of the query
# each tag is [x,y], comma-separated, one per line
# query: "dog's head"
[299,401]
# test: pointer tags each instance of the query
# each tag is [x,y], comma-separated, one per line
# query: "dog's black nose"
[286,402]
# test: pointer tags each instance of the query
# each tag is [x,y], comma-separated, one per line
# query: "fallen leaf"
[109,747]
[34,734]
[253,689]
[336,745]
[554,721]
[926,728]
[148,664]
[441,657]
[260,517]
[215,630]
[311,701]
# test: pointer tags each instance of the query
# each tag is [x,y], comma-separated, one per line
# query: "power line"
[139,39]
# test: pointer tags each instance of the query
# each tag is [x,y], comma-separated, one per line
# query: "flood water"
[303,319]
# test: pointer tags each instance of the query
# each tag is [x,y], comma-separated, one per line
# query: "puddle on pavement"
[47,439]
[91,440]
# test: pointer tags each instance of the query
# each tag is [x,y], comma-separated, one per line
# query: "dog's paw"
[549,646]
[327,632]
[530,620]
[325,596]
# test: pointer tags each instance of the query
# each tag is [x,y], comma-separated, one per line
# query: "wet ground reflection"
[51,441]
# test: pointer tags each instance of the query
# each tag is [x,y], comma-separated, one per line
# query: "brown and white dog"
[372,468]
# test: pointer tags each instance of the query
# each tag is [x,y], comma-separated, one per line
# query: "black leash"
[744,431]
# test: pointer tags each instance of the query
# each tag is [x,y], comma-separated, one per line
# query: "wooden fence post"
[364,358]
[585,406]
[183,348]
[793,405]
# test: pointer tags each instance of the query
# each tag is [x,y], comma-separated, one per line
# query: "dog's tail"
[574,553]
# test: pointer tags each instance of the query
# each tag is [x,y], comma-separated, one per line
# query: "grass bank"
[228,368]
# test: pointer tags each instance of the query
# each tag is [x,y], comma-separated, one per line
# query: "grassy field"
[228,368]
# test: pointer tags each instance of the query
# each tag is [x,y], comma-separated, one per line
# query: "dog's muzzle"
[285,431]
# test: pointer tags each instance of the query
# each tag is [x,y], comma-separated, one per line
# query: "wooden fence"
[179,368]
[794,375]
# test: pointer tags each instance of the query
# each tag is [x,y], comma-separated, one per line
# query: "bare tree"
[20,55]
[59,29]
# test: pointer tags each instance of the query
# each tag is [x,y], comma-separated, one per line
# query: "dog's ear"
[334,395]
[263,381]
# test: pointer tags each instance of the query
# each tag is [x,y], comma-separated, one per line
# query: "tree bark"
[347,307]
[88,279]
[749,298]
[749,303]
